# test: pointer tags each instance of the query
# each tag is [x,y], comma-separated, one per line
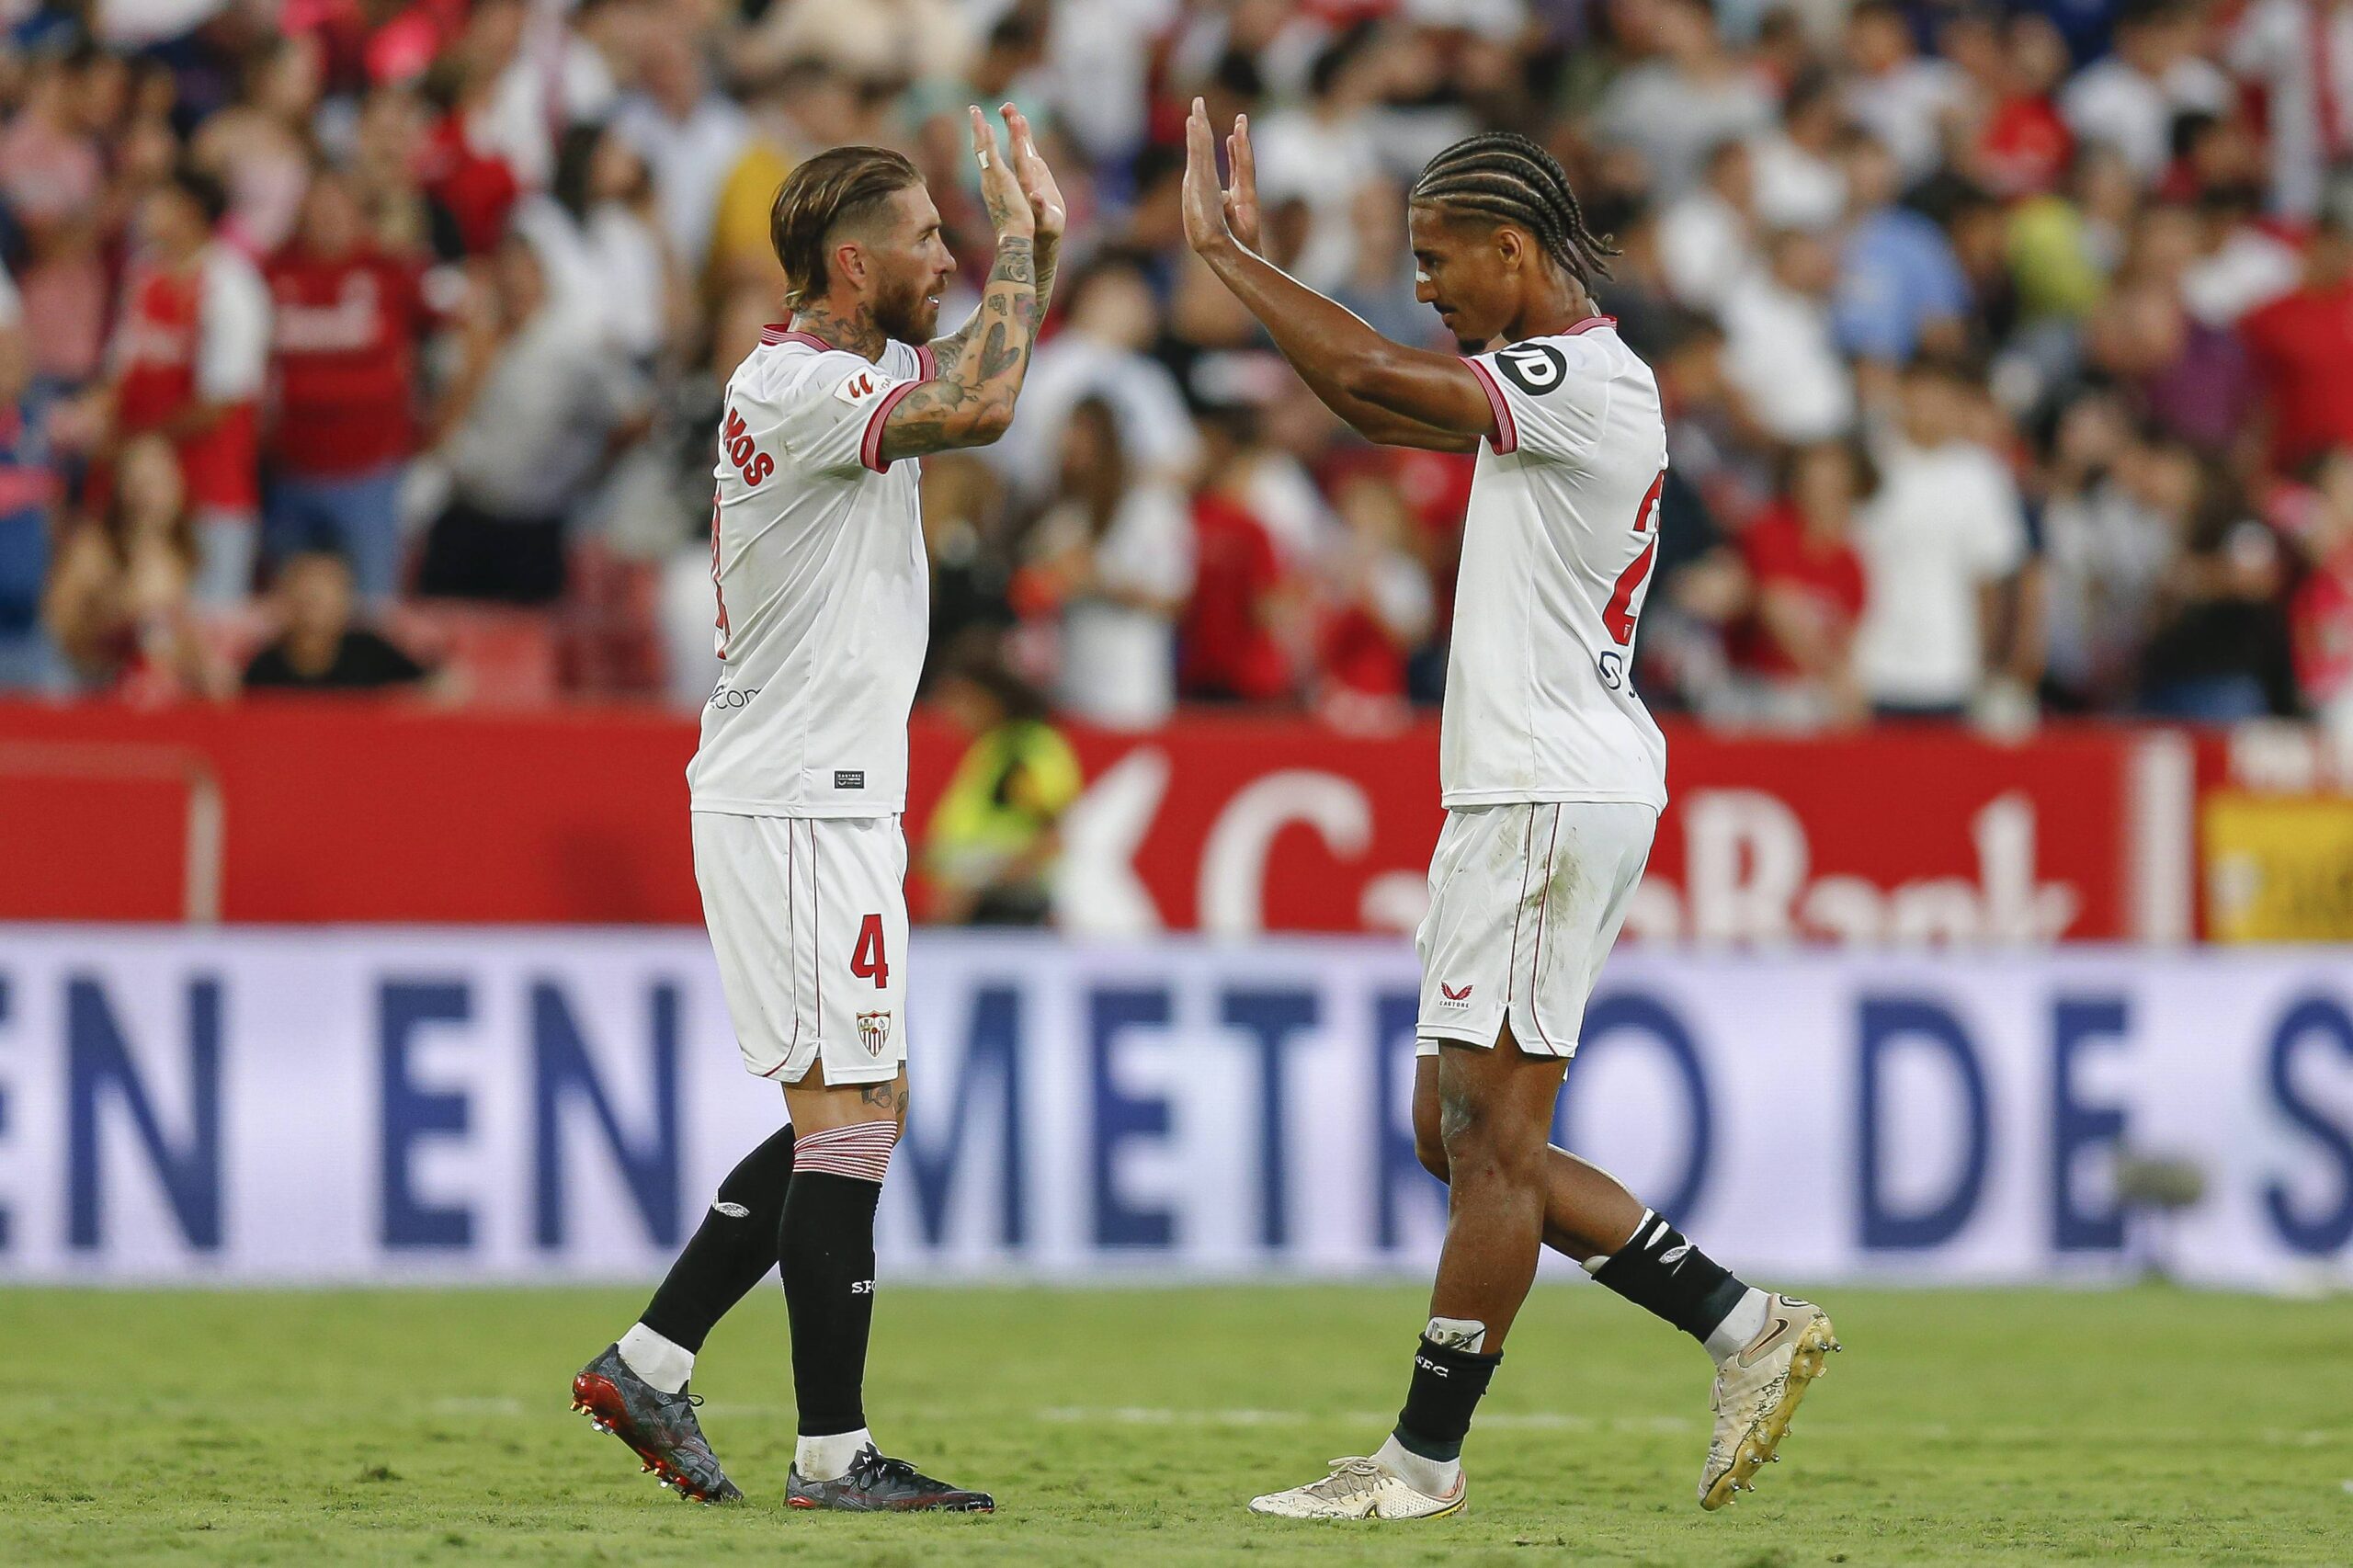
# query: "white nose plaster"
[1421,277]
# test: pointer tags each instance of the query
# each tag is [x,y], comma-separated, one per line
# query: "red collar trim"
[779,332]
[1589,324]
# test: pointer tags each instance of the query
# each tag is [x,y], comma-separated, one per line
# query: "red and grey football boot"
[660,1428]
[878,1485]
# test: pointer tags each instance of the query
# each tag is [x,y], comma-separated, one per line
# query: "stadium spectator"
[2321,613]
[991,848]
[1229,650]
[2020,145]
[1100,352]
[1906,102]
[525,428]
[1707,239]
[689,135]
[1792,653]
[597,229]
[189,357]
[2296,53]
[1900,287]
[1797,179]
[2131,100]
[2220,651]
[317,647]
[346,317]
[1690,96]
[1376,606]
[2302,344]
[2119,514]
[1781,346]
[117,605]
[259,147]
[1112,554]
[1806,200]
[1942,541]
[52,177]
[28,489]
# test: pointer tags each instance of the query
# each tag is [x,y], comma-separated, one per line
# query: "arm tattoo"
[884,1094]
[977,371]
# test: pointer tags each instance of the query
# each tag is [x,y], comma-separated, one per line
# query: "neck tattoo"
[855,334]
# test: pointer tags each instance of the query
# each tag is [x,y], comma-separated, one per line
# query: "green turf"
[2151,1426]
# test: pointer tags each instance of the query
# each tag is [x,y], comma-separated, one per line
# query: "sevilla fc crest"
[875,1031]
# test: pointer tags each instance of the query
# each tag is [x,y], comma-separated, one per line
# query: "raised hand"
[1001,194]
[1204,203]
[1242,190]
[1037,181]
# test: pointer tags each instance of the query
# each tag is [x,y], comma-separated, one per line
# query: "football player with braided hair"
[1552,775]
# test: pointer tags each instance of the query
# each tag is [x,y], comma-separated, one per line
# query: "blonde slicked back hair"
[842,185]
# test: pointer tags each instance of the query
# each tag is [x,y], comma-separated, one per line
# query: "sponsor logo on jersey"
[860,386]
[849,779]
[741,697]
[1454,999]
[875,1031]
[1534,367]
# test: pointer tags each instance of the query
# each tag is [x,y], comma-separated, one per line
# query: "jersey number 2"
[869,962]
[1625,599]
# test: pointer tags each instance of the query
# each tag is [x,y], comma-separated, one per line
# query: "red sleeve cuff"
[1506,440]
[870,450]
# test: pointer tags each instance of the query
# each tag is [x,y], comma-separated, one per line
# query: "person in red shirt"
[345,319]
[1792,652]
[188,356]
[2320,612]
[2301,347]
[1227,651]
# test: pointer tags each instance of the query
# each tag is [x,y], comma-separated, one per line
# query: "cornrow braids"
[1503,175]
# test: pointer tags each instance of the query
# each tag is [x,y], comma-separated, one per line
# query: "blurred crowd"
[2008,349]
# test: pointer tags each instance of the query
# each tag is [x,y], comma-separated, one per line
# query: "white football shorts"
[809,918]
[1526,899]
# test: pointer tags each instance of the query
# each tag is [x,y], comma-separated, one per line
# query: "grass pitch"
[1118,1427]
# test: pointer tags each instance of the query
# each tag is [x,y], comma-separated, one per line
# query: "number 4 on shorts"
[870,961]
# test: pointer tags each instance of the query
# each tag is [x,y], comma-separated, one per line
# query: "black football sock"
[827,1247]
[1446,1385]
[1661,1272]
[730,1252]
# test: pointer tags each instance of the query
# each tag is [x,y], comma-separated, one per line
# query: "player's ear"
[1511,249]
[849,262]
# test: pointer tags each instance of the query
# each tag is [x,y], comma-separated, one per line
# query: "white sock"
[827,1459]
[663,1363]
[1431,1478]
[1741,1325]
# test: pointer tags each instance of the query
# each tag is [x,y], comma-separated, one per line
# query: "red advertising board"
[301,812]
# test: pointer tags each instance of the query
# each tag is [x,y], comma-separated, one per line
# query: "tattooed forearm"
[977,371]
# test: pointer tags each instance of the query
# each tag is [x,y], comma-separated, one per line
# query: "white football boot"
[1757,1391]
[1359,1489]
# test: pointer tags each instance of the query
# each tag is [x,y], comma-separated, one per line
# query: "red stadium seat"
[500,657]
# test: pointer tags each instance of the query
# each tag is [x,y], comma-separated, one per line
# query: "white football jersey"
[824,604]
[1557,551]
